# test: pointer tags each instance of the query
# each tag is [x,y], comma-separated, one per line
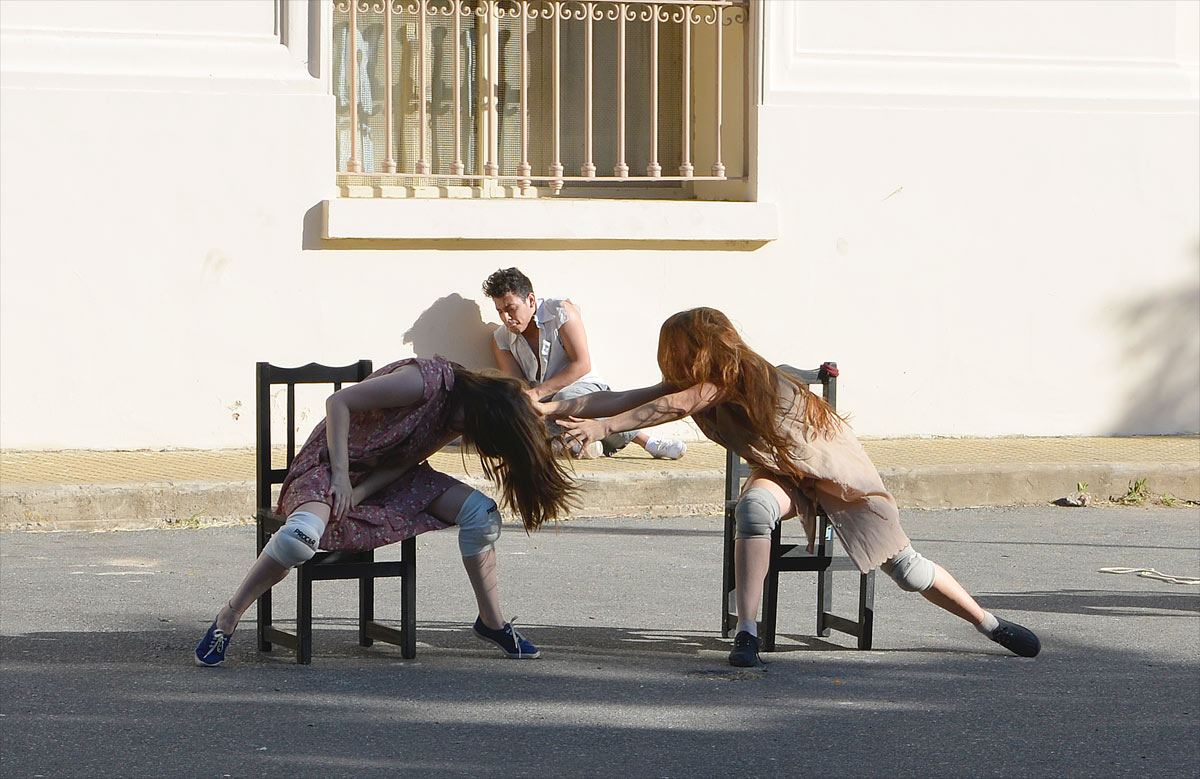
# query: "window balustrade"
[489,98]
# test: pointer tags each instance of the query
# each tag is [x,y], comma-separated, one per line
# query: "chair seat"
[795,557]
[334,565]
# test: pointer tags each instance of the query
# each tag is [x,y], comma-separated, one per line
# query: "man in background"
[543,341]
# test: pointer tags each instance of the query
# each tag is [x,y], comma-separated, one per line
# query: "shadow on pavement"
[96,676]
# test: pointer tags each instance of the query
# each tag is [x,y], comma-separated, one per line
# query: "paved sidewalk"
[77,490]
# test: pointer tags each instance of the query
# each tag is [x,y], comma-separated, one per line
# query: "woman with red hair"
[803,454]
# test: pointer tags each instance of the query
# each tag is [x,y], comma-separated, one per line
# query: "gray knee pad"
[478,525]
[296,542]
[910,570]
[756,513]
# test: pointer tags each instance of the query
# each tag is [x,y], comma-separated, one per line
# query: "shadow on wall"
[454,328]
[1161,332]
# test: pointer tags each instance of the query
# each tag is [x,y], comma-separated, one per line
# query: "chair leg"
[770,605]
[408,599]
[866,609]
[366,609]
[262,607]
[263,611]
[303,616]
[728,621]
[824,601]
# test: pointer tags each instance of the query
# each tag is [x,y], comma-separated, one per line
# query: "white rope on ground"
[1150,573]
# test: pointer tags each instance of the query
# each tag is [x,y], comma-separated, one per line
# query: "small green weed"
[1136,495]
[191,523]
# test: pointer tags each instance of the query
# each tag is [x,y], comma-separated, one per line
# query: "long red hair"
[701,345]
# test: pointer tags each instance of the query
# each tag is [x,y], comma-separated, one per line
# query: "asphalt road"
[96,631]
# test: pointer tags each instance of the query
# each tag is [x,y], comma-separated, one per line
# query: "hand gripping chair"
[323,565]
[794,556]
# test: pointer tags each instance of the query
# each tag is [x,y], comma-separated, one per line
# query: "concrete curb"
[648,493]
[125,506]
[972,486]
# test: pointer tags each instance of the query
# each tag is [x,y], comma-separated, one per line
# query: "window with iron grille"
[494,98]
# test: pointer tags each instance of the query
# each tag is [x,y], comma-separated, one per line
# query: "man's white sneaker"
[666,448]
[590,452]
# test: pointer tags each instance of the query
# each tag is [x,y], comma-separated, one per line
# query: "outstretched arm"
[602,404]
[665,408]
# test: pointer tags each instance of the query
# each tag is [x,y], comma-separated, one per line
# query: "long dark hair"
[701,345]
[499,421]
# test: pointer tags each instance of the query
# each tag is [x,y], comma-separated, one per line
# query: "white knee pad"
[478,525]
[756,513]
[296,542]
[911,571]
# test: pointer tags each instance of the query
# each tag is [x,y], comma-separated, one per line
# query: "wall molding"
[115,60]
[554,221]
[797,76]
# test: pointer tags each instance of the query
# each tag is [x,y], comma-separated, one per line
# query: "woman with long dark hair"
[803,453]
[361,481]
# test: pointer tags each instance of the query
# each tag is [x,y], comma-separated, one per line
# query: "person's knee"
[911,571]
[478,525]
[578,389]
[756,514]
[296,542]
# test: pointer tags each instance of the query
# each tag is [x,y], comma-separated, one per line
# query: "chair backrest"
[268,376]
[826,375]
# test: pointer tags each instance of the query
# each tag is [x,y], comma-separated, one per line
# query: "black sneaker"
[1016,639]
[745,651]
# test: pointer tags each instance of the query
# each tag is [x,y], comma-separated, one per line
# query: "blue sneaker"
[511,643]
[210,651]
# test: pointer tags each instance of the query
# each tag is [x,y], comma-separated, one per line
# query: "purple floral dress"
[380,438]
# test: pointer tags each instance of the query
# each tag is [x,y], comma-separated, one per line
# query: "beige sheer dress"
[835,473]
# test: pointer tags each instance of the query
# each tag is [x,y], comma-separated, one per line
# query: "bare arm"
[602,404]
[579,359]
[666,408]
[506,362]
[378,479]
[404,387]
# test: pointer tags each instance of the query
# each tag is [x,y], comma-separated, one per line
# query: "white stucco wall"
[994,210]
[987,215]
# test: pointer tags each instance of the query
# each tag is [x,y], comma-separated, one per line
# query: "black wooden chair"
[323,565]
[794,556]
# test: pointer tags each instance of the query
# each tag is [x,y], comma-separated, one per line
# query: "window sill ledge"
[636,222]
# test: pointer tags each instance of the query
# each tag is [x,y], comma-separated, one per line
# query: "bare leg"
[752,558]
[641,438]
[264,574]
[950,595]
[481,568]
